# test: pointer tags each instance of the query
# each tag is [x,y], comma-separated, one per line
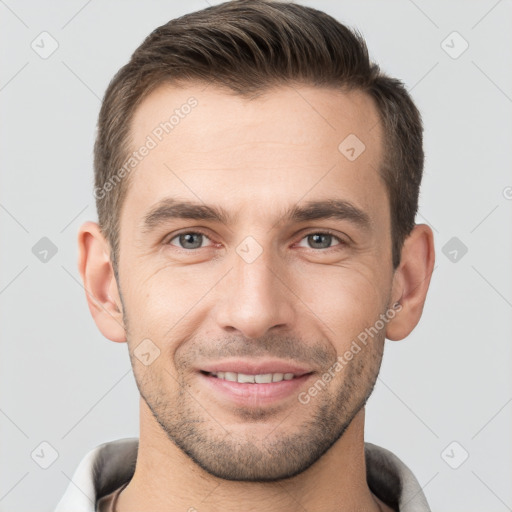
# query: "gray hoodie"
[111,465]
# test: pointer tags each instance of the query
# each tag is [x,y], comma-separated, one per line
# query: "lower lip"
[254,394]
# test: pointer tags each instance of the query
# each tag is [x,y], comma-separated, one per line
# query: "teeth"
[262,378]
[242,377]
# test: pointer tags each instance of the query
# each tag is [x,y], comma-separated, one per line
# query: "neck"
[167,479]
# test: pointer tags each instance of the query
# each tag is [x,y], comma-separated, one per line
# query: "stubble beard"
[252,455]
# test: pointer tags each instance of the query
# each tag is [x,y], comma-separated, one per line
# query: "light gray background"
[63,383]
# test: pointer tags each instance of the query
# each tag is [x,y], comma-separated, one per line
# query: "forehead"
[206,143]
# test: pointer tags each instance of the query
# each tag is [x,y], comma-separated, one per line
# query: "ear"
[411,281]
[99,282]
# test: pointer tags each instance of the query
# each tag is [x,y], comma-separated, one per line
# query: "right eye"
[189,240]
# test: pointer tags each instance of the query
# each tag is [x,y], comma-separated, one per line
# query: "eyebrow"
[170,208]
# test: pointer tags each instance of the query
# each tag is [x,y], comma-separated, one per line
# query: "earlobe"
[411,281]
[99,282]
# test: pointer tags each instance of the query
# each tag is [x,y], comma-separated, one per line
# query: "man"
[257,181]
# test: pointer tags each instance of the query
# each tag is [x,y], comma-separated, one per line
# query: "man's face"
[274,287]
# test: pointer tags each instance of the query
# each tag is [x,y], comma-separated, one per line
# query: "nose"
[255,298]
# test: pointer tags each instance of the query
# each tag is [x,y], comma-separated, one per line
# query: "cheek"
[160,303]
[345,299]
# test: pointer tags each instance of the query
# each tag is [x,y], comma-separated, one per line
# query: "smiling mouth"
[244,378]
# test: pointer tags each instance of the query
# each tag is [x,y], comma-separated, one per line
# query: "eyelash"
[200,232]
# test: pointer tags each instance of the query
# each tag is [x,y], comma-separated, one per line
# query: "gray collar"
[108,466]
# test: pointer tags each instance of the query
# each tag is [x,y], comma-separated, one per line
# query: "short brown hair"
[249,46]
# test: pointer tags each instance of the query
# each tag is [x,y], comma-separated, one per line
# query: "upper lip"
[255,367]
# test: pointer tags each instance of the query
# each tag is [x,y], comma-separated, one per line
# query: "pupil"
[188,238]
[317,239]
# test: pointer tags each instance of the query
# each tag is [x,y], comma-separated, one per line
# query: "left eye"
[321,240]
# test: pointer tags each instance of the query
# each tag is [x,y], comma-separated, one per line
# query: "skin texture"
[303,300]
